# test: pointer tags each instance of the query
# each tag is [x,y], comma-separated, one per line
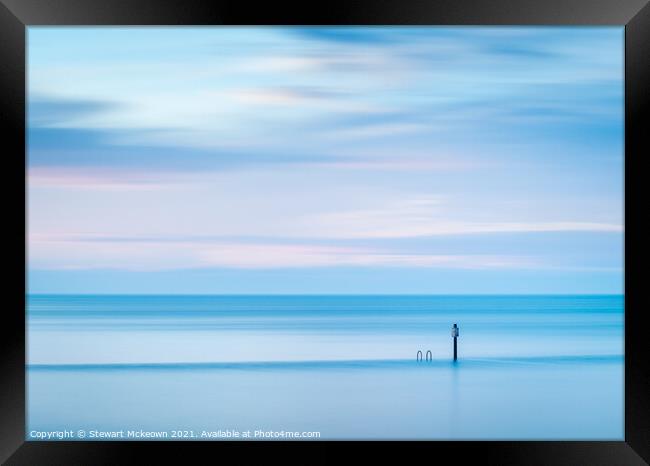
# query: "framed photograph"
[388,227]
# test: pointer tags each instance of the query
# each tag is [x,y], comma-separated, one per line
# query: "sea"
[313,368]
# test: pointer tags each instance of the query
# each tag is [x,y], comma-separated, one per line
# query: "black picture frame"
[16,15]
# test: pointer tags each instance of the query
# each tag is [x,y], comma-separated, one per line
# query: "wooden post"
[454,333]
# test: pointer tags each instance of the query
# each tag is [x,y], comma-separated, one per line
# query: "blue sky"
[325,160]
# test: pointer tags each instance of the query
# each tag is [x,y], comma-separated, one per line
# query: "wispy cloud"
[63,252]
[426,217]
[48,112]
[268,86]
[93,179]
[399,164]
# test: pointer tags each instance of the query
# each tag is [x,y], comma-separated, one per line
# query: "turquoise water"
[530,367]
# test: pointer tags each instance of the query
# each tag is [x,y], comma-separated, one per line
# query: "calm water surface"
[538,367]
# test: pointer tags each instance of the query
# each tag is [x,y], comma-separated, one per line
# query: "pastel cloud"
[97,180]
[79,253]
[426,217]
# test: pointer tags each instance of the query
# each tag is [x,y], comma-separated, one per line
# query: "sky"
[318,160]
